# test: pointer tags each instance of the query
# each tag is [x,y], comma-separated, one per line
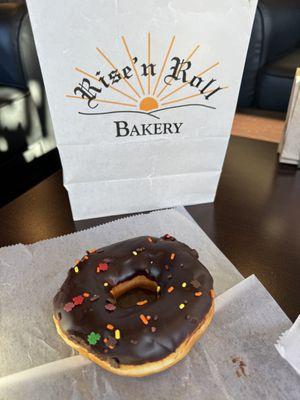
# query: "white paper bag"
[142,96]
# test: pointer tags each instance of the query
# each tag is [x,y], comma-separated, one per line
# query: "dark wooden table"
[255,220]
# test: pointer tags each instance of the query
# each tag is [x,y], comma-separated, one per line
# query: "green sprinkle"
[93,338]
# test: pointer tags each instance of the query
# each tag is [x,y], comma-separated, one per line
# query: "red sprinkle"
[78,300]
[69,306]
[102,267]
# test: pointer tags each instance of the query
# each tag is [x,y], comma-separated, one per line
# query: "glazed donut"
[135,307]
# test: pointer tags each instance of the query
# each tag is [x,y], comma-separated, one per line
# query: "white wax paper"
[235,359]
[31,275]
[288,345]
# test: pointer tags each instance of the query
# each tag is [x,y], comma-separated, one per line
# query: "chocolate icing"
[169,325]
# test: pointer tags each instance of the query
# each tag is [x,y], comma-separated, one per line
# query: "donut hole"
[138,290]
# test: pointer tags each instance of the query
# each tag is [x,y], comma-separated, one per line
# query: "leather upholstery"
[11,70]
[25,122]
[275,35]
[275,82]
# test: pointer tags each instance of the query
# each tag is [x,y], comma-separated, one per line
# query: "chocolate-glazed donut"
[170,306]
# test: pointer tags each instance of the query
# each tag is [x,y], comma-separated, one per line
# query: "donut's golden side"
[148,368]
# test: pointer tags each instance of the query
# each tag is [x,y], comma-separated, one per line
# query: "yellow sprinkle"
[158,289]
[76,269]
[183,284]
[105,284]
[117,334]
[135,253]
[181,306]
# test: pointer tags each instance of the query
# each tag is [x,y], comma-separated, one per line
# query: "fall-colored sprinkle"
[105,340]
[150,239]
[183,284]
[142,302]
[148,317]
[77,262]
[91,251]
[69,306]
[86,294]
[171,288]
[110,307]
[105,284]
[144,319]
[172,257]
[102,267]
[110,327]
[181,306]
[117,334]
[77,300]
[76,269]
[212,294]
[85,258]
[135,253]
[198,294]
[158,289]
[93,338]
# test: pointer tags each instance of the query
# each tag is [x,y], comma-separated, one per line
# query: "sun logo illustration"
[151,91]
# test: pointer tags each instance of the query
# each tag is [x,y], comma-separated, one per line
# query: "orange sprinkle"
[171,288]
[172,256]
[105,340]
[212,294]
[142,302]
[85,258]
[198,294]
[92,251]
[144,319]
[150,239]
[85,294]
[148,317]
[110,327]
[77,262]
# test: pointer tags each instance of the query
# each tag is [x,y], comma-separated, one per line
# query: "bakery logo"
[144,87]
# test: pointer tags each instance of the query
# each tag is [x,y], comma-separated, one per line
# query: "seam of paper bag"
[141,141]
[145,178]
